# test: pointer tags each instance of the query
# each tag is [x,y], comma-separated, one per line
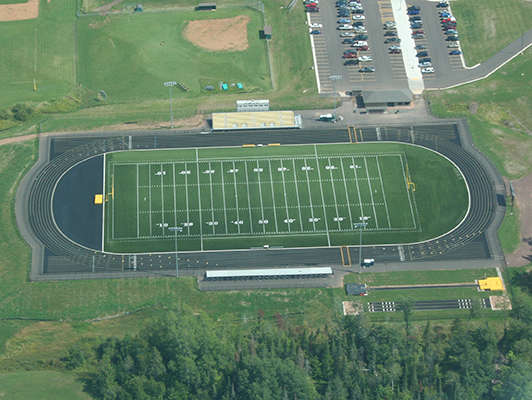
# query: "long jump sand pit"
[226,34]
[19,12]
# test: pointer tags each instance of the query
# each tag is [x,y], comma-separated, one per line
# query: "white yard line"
[175,196]
[236,199]
[261,201]
[384,194]
[186,198]
[297,193]
[199,200]
[162,200]
[371,194]
[358,189]
[212,199]
[138,204]
[310,198]
[149,196]
[285,199]
[223,193]
[347,194]
[322,198]
[249,197]
[273,198]
[104,199]
[408,192]
[334,195]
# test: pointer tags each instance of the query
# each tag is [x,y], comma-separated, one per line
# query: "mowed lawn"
[41,385]
[40,49]
[124,55]
[293,196]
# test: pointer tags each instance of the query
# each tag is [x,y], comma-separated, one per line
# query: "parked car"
[345,27]
[415,18]
[412,12]
[395,47]
[359,17]
[347,34]
[417,8]
[360,29]
[422,54]
[390,25]
[416,25]
[344,14]
[351,62]
[311,5]
[360,44]
[362,48]
[358,11]
[361,37]
[366,69]
[448,19]
[455,52]
[365,58]
[313,9]
[425,64]
[442,4]
[315,25]
[418,36]
[449,26]
[348,41]
[392,40]
[429,70]
[390,33]
[445,14]
[358,23]
[418,32]
[453,45]
[451,32]
[315,32]
[344,21]
[420,47]
[395,51]
[350,55]
[424,60]
[452,38]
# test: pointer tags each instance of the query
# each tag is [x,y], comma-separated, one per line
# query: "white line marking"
[347,193]
[236,198]
[358,190]
[383,193]
[175,197]
[199,200]
[322,198]
[212,199]
[104,200]
[408,192]
[261,200]
[310,198]
[162,201]
[223,195]
[297,194]
[371,194]
[285,198]
[149,196]
[334,194]
[273,197]
[138,204]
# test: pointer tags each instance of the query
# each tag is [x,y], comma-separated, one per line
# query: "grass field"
[291,196]
[37,385]
[123,55]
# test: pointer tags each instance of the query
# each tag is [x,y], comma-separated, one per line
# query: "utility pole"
[169,85]
[359,226]
[335,78]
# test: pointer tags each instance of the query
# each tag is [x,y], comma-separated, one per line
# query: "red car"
[350,55]
[418,32]
[311,5]
[395,51]
[447,20]
[363,48]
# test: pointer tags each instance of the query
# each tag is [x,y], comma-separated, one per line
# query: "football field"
[291,196]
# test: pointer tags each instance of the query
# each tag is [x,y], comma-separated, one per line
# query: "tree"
[22,111]
[407,306]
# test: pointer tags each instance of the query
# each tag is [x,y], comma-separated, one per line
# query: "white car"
[358,16]
[360,29]
[390,25]
[360,43]
[365,58]
[347,34]
[425,64]
[453,45]
[345,27]
[395,47]
[428,70]
[315,25]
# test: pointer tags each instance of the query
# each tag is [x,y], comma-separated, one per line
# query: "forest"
[185,355]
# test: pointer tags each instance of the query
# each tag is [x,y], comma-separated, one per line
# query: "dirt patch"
[523,197]
[473,107]
[352,307]
[500,303]
[19,12]
[226,34]
[103,9]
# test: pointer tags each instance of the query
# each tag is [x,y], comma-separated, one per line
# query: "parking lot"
[392,71]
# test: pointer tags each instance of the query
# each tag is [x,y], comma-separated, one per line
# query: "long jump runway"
[64,227]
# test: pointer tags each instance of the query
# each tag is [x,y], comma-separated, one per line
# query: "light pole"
[169,85]
[176,229]
[359,226]
[335,78]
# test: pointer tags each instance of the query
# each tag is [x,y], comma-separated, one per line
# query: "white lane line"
[236,199]
[261,200]
[358,189]
[199,200]
[310,199]
[223,195]
[149,197]
[138,206]
[212,200]
[334,194]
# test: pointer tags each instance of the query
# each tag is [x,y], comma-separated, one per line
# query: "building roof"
[387,96]
[242,273]
[255,120]
[268,30]
[356,289]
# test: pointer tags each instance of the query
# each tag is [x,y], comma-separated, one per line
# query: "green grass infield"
[290,196]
